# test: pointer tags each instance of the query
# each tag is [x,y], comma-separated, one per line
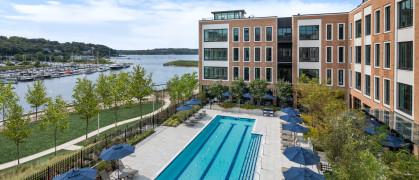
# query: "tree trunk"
[238,101]
[55,140]
[18,153]
[116,117]
[141,109]
[36,113]
[87,125]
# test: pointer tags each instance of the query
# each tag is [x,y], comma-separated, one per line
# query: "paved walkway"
[157,151]
[69,145]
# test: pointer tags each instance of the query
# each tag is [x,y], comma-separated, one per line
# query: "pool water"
[225,149]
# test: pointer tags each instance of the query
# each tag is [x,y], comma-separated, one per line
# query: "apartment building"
[368,51]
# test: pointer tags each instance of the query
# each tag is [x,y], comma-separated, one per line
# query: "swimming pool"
[225,149]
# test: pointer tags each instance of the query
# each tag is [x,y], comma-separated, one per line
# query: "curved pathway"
[70,144]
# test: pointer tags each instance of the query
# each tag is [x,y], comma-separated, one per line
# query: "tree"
[103,90]
[190,81]
[217,89]
[56,115]
[258,89]
[7,97]
[37,96]
[118,91]
[283,90]
[175,87]
[85,100]
[237,88]
[141,85]
[16,128]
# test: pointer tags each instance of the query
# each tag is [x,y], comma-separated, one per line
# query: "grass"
[40,141]
[183,63]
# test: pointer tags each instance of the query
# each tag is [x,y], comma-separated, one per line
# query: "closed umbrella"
[294,127]
[393,141]
[194,102]
[227,94]
[301,156]
[296,173]
[78,174]
[184,108]
[248,95]
[290,110]
[291,118]
[268,96]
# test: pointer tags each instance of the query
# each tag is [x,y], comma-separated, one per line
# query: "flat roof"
[240,10]
[321,14]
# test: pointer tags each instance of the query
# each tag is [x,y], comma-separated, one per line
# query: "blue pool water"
[225,149]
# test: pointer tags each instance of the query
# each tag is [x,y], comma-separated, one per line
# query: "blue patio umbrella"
[227,94]
[268,96]
[393,141]
[248,95]
[369,130]
[194,102]
[291,118]
[290,110]
[373,122]
[301,156]
[287,99]
[184,108]
[294,127]
[78,174]
[117,152]
[296,173]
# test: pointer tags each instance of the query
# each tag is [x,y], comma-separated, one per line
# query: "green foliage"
[248,106]
[160,51]
[190,82]
[7,97]
[138,138]
[402,165]
[103,166]
[217,89]
[8,63]
[202,96]
[140,85]
[283,90]
[103,90]
[340,94]
[37,96]
[258,89]
[56,116]
[85,100]
[227,105]
[172,121]
[37,64]
[183,63]
[118,91]
[175,88]
[182,87]
[16,127]
[26,63]
[237,87]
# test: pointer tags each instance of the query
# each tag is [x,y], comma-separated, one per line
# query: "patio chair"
[123,169]
[104,175]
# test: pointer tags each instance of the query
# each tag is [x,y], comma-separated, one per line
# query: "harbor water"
[152,63]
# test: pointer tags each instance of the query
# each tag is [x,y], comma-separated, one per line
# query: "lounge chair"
[128,171]
[104,175]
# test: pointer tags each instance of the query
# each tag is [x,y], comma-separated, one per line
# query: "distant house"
[80,58]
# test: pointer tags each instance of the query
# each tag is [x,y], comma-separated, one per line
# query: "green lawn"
[183,63]
[40,141]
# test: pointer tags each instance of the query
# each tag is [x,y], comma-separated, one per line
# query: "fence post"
[49,174]
[81,158]
[125,134]
[152,121]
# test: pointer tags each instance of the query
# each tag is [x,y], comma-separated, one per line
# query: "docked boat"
[116,66]
[26,78]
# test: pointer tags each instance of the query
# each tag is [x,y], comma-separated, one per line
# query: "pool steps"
[249,164]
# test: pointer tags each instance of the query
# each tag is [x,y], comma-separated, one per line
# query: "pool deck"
[154,153]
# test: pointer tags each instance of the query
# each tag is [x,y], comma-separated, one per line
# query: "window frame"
[238,54]
[385,91]
[367,25]
[205,78]
[266,34]
[398,56]
[343,31]
[350,54]
[387,20]
[254,72]
[399,15]
[375,21]
[377,55]
[244,73]
[318,33]
[266,53]
[375,89]
[260,34]
[244,36]
[244,56]
[350,78]
[358,29]
[266,74]
[238,72]
[331,54]
[356,81]
[226,39]
[317,55]
[365,55]
[214,51]
[331,36]
[238,34]
[338,55]
[358,54]
[387,56]
[260,54]
[350,30]
[367,87]
[343,78]
[398,99]
[331,76]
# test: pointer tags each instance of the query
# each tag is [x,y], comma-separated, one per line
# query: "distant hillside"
[164,51]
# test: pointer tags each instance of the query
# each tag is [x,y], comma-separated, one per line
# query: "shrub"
[136,139]
[248,106]
[103,165]
[172,122]
[227,105]
[269,107]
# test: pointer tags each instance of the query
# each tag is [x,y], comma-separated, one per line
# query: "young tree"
[190,83]
[141,85]
[283,90]
[258,89]
[56,115]
[85,100]
[237,88]
[7,97]
[37,96]
[103,90]
[16,128]
[175,88]
[118,91]
[217,89]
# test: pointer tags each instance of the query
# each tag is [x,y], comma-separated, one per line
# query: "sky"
[138,24]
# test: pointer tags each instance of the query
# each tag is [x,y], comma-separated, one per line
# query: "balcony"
[286,39]
[284,58]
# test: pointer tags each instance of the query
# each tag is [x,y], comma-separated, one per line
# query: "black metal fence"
[89,156]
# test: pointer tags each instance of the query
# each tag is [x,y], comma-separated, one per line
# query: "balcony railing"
[284,58]
[284,38]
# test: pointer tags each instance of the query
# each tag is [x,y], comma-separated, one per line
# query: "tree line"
[89,98]
[162,51]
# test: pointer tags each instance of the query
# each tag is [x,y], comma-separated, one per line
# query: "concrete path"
[82,138]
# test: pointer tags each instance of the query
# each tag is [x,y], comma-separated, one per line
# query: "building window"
[387,55]
[215,35]
[215,72]
[236,35]
[350,54]
[246,73]
[357,103]
[284,34]
[358,81]
[309,54]
[329,55]
[387,18]
[367,90]
[257,54]
[377,21]
[341,54]
[309,32]
[284,55]
[310,73]
[405,13]
[404,94]
[236,72]
[329,32]
[368,24]
[377,88]
[405,55]
[269,34]
[367,54]
[350,78]
[257,34]
[236,54]
[246,34]
[377,55]
[358,54]
[350,30]
[329,77]
[386,91]
[246,54]
[226,15]
[268,74]
[358,29]
[257,72]
[215,54]
[341,32]
[341,77]
[268,54]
